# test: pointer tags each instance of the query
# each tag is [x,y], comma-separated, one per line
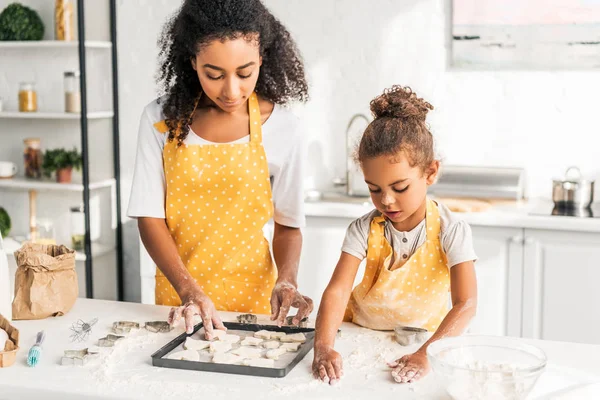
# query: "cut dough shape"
[259,362]
[229,338]
[251,341]
[295,337]
[247,352]
[273,344]
[263,334]
[293,346]
[275,353]
[226,358]
[277,335]
[187,355]
[193,344]
[217,334]
[219,347]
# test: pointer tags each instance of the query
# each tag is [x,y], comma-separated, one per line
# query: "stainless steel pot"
[572,191]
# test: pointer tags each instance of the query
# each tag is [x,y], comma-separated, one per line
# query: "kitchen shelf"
[54,115]
[11,245]
[51,185]
[53,44]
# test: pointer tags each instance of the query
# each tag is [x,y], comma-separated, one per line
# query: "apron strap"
[255,120]
[432,220]
[162,127]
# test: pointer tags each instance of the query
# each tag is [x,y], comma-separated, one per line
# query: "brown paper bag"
[45,282]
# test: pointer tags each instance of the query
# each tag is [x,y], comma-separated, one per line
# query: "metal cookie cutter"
[158,326]
[77,357]
[247,319]
[407,335]
[109,340]
[303,323]
[121,327]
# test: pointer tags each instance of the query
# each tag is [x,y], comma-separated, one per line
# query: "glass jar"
[27,97]
[33,158]
[72,93]
[64,20]
[44,232]
[77,227]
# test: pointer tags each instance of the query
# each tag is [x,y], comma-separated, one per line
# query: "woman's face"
[228,71]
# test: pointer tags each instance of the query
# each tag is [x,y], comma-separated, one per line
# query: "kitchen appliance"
[572,191]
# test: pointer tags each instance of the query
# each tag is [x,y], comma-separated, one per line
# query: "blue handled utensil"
[36,350]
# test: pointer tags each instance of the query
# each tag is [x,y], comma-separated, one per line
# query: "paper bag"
[45,282]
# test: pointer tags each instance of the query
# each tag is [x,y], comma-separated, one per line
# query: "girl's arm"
[161,247]
[464,305]
[287,245]
[327,363]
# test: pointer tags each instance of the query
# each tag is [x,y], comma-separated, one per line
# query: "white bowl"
[486,367]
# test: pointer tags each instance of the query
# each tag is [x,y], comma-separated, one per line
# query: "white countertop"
[506,215]
[125,371]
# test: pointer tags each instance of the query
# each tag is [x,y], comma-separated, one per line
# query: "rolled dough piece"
[217,334]
[295,337]
[259,362]
[193,344]
[275,353]
[277,335]
[251,341]
[226,358]
[270,344]
[219,347]
[247,352]
[293,346]
[187,355]
[263,334]
[229,338]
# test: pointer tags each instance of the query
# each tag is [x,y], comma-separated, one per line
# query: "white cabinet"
[561,286]
[499,269]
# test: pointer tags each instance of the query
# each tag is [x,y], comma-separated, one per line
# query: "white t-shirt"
[284,146]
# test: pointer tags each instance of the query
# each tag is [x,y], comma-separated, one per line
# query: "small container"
[45,232]
[72,93]
[33,158]
[64,20]
[27,97]
[407,335]
[77,227]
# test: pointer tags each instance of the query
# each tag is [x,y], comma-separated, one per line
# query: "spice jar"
[77,227]
[64,20]
[33,158]
[27,97]
[72,94]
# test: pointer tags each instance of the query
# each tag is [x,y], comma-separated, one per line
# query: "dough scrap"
[219,347]
[275,353]
[187,355]
[295,337]
[193,344]
[247,352]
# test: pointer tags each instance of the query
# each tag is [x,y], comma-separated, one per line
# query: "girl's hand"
[195,302]
[327,365]
[410,368]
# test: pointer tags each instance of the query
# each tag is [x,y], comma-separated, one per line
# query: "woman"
[217,158]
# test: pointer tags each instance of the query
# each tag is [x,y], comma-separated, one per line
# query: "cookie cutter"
[247,319]
[109,340]
[77,357]
[302,324]
[407,335]
[121,327]
[158,326]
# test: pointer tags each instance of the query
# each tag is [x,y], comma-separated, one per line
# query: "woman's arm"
[161,247]
[464,305]
[327,363]
[287,245]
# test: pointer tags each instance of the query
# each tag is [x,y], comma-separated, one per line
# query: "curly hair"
[398,125]
[198,22]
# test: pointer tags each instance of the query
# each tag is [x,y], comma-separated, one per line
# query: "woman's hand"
[410,368]
[327,365]
[284,296]
[196,302]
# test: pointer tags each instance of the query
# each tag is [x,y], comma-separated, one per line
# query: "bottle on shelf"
[64,20]
[33,158]
[27,97]
[72,93]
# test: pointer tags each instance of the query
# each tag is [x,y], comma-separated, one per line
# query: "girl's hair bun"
[400,102]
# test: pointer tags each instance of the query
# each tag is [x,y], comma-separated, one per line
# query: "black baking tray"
[159,361]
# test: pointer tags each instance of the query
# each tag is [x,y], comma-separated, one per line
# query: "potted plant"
[62,162]
[19,22]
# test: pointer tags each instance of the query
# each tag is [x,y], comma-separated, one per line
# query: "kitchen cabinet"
[560,286]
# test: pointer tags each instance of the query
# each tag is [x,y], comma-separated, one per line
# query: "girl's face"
[397,189]
[228,71]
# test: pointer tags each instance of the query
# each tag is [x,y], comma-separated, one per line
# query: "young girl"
[218,156]
[416,249]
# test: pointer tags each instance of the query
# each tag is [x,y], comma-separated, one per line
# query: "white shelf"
[52,44]
[11,245]
[54,115]
[51,185]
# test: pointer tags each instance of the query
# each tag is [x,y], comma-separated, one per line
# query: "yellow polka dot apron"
[413,294]
[218,199]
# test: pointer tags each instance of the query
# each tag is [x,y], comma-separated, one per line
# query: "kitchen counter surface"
[125,371]
[514,215]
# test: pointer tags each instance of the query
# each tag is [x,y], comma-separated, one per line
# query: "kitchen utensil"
[33,358]
[109,340]
[407,335]
[81,330]
[572,191]
[121,327]
[486,367]
[158,326]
